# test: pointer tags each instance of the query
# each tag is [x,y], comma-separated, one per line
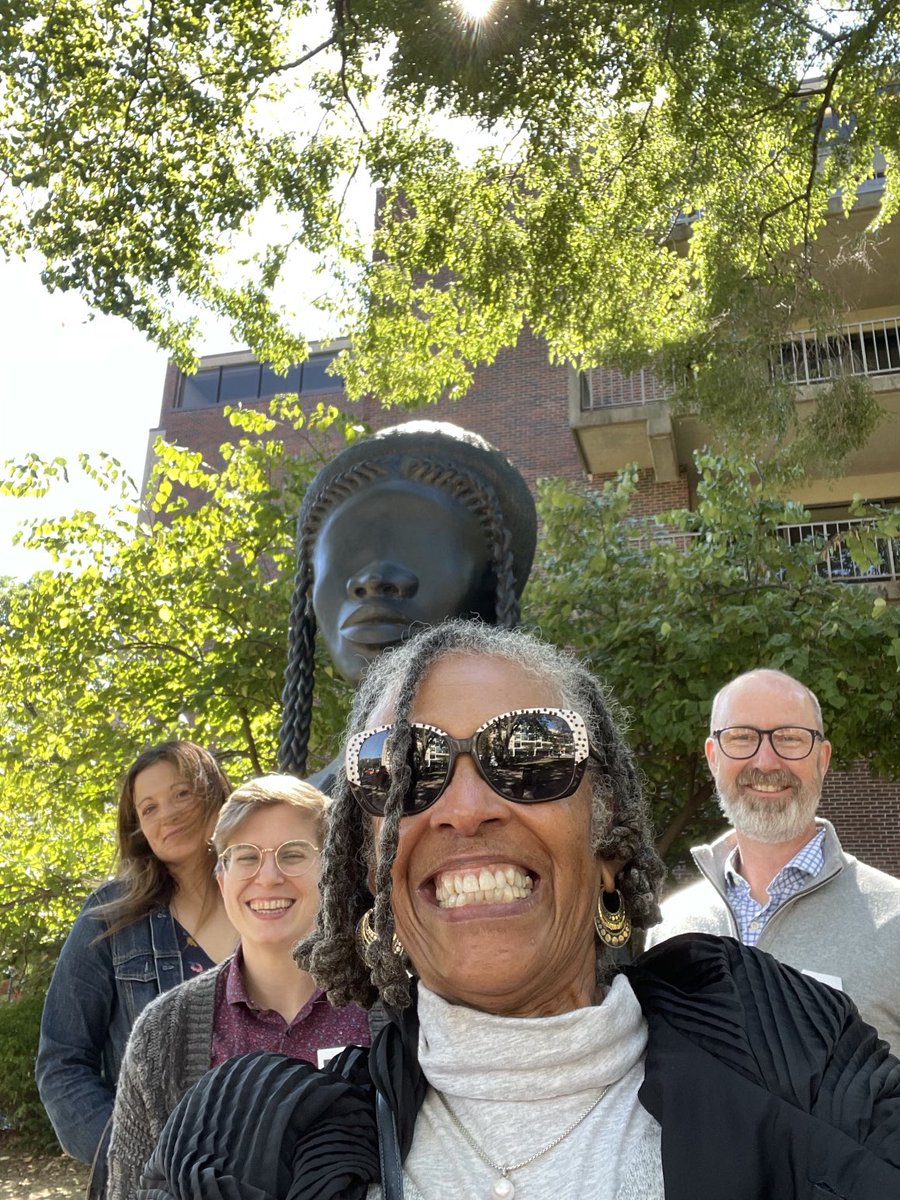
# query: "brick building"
[553,421]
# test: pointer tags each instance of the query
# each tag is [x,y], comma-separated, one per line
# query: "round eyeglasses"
[245,860]
[788,741]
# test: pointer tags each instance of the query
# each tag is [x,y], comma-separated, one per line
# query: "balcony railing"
[837,563]
[863,348]
[605,388]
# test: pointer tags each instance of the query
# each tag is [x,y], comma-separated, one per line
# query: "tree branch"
[251,742]
[697,797]
[304,58]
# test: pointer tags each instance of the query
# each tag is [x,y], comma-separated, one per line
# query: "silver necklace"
[504,1188]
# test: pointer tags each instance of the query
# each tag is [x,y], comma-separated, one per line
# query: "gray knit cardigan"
[170,1048]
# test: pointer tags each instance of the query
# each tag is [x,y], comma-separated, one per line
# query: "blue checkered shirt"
[751,917]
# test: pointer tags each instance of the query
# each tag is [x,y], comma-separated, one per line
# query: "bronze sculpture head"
[419,522]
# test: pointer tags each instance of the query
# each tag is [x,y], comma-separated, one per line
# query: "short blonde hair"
[263,792]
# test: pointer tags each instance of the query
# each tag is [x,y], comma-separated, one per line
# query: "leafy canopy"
[667,609]
[543,165]
[145,631]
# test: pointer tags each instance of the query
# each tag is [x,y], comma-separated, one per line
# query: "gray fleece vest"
[845,923]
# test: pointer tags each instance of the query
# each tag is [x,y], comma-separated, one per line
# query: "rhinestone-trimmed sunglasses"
[528,755]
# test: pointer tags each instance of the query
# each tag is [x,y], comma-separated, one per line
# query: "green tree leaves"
[637,185]
[173,625]
[668,609]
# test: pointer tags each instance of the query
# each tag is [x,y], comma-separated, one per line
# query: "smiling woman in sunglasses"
[267,839]
[493,806]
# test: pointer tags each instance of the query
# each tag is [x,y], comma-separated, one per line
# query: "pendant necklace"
[504,1188]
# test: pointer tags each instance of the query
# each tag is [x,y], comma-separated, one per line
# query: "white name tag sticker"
[327,1053]
[834,981]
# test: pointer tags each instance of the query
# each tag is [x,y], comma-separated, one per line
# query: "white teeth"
[498,885]
[269,905]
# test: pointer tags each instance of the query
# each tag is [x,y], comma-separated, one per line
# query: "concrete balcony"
[618,419]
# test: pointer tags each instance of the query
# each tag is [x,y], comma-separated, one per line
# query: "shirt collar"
[809,859]
[236,989]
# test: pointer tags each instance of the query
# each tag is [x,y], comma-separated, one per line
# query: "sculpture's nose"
[383,579]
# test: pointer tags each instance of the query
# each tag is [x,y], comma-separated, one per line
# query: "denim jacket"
[97,991]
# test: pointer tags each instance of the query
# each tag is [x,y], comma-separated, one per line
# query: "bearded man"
[779,878]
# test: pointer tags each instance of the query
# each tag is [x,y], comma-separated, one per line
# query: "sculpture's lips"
[375,625]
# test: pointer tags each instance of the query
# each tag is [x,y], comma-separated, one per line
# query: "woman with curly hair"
[491,802]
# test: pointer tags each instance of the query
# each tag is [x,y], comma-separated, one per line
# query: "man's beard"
[765,818]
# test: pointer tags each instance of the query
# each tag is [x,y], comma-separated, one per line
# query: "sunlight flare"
[474,10]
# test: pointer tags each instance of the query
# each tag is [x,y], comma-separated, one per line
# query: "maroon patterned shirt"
[240,1026]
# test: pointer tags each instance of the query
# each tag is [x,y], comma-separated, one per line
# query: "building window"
[274,385]
[239,385]
[315,378]
[833,527]
[200,390]
[245,383]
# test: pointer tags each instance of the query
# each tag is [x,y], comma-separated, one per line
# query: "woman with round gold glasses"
[268,838]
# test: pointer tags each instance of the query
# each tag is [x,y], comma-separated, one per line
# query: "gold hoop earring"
[612,924]
[365,931]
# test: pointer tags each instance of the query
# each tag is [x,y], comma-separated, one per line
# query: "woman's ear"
[609,870]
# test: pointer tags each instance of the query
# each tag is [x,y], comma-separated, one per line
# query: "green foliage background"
[174,624]
[20,1105]
[635,183]
[668,609]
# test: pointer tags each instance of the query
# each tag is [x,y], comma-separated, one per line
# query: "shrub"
[20,1105]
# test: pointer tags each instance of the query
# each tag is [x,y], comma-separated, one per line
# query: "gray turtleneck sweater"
[516,1084]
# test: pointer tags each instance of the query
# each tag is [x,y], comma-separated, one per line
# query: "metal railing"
[604,387]
[837,563]
[861,348]
[665,536]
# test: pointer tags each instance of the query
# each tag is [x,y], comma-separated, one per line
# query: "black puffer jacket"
[766,1083]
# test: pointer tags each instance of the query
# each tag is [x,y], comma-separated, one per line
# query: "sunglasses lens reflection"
[526,756]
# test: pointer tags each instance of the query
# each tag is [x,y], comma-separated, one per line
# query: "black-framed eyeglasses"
[244,860]
[788,741]
[528,755]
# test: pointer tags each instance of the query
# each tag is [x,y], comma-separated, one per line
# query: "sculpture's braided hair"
[463,485]
[620,828]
